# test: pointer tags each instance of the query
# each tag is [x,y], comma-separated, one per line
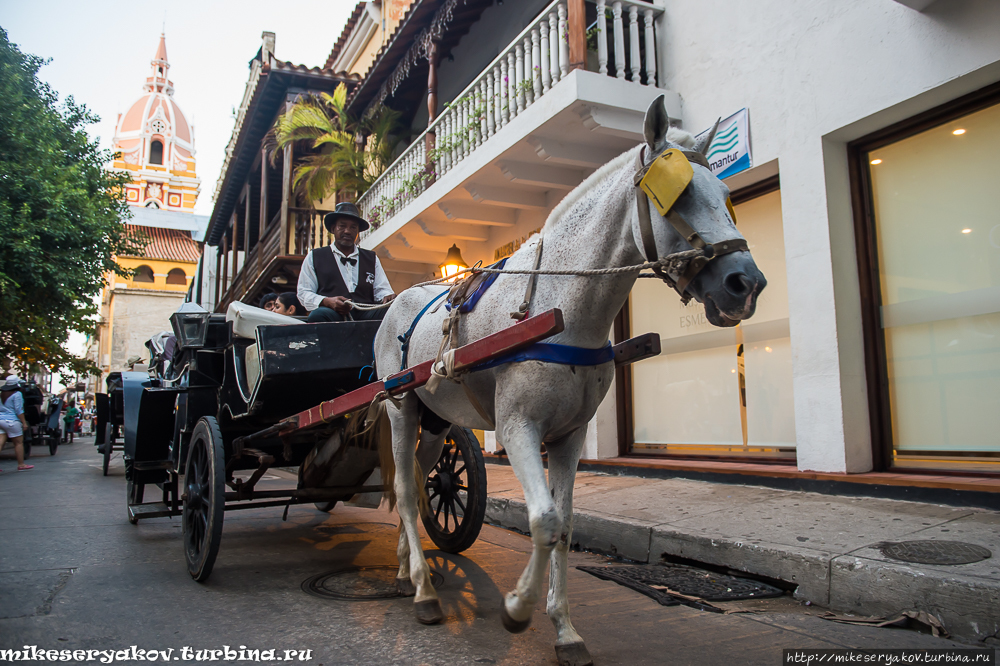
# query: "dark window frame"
[863,207]
[152,145]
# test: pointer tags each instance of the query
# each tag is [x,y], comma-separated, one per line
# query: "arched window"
[143,274]
[177,276]
[156,152]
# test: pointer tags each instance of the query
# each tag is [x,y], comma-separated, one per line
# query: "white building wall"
[816,75]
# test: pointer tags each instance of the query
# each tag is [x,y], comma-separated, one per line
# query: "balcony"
[525,131]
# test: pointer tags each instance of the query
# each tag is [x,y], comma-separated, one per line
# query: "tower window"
[177,276]
[143,274]
[156,152]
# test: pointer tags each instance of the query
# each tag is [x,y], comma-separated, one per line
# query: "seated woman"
[288,304]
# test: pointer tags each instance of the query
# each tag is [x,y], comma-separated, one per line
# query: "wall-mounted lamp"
[453,263]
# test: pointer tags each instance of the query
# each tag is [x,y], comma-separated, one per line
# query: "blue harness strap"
[548,352]
[473,298]
[405,338]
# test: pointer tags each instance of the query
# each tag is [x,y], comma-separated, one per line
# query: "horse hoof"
[510,624]
[573,654]
[429,611]
[405,587]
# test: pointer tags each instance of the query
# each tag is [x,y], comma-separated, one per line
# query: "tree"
[61,218]
[348,154]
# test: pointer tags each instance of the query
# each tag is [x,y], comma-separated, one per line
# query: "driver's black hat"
[345,209]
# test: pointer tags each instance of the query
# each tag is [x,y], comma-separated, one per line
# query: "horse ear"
[703,144]
[656,123]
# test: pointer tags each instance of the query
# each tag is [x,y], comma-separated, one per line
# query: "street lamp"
[453,264]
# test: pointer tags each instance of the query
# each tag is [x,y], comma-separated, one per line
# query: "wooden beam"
[286,192]
[262,218]
[432,99]
[576,24]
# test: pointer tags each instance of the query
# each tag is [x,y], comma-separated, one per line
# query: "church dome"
[154,140]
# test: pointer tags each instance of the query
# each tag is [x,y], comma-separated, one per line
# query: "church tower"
[156,145]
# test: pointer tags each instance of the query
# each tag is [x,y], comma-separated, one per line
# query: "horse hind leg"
[405,423]
[563,459]
[522,441]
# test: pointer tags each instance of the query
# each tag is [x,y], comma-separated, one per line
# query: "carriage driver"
[336,273]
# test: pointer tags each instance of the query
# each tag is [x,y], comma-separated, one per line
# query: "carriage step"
[152,510]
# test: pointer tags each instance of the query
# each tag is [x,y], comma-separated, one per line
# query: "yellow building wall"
[160,270]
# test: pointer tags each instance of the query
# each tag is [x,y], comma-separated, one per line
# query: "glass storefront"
[937,236]
[715,391]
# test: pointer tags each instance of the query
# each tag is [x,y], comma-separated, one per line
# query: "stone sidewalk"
[825,544]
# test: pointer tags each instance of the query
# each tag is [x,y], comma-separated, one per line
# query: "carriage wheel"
[456,490]
[325,507]
[133,495]
[204,498]
[108,445]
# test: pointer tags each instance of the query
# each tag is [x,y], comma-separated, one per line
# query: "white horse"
[534,402]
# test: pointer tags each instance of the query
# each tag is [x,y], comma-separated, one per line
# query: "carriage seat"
[246,319]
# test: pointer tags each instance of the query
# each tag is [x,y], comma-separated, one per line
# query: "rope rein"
[583,272]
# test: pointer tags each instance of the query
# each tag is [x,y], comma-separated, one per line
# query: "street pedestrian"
[12,423]
[69,421]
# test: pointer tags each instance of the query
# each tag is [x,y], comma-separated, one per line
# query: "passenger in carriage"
[267,303]
[288,304]
[335,274]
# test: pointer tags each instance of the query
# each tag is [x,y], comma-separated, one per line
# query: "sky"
[101,52]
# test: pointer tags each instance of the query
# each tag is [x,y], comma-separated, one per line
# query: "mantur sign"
[730,150]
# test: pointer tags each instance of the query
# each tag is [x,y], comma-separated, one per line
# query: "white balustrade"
[530,67]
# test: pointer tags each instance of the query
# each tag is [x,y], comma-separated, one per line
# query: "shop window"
[933,258]
[177,276]
[718,391]
[156,152]
[143,274]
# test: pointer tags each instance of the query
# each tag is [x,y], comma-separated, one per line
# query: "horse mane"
[675,135]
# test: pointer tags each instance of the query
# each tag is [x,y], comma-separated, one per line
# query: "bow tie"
[348,260]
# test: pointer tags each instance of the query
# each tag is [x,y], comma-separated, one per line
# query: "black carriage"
[42,416]
[225,403]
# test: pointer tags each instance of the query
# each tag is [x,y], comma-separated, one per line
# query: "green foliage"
[347,154]
[61,218]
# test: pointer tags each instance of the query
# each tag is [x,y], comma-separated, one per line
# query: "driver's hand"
[388,299]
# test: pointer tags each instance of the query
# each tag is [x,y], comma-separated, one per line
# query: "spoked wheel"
[133,495]
[108,445]
[204,498]
[325,507]
[456,490]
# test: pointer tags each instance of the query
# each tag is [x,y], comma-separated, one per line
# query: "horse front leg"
[563,459]
[405,424]
[522,442]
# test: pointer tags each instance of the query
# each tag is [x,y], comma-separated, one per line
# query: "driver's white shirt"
[309,283]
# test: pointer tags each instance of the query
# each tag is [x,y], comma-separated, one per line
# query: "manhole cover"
[935,552]
[689,581]
[359,583]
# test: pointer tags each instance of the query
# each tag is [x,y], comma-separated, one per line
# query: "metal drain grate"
[686,581]
[359,584]
[935,552]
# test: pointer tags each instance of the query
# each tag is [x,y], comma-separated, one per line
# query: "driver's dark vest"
[331,282]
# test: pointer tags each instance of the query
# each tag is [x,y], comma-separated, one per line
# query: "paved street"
[74,574]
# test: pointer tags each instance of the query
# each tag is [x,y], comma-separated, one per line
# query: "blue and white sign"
[730,150]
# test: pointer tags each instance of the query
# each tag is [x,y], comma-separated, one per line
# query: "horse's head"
[716,268]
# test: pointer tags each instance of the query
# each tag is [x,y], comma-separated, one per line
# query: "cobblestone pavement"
[75,575]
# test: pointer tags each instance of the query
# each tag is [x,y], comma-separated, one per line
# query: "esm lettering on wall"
[730,150]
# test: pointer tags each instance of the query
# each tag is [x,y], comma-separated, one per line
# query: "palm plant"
[348,154]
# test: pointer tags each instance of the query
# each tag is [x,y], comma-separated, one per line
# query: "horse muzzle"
[734,299]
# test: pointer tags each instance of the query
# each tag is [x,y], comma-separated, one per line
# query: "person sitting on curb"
[334,274]
[12,423]
[288,304]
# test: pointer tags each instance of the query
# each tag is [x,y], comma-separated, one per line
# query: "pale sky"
[101,54]
[101,51]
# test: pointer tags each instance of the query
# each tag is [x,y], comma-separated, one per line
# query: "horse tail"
[382,434]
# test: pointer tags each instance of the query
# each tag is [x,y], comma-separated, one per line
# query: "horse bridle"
[679,269]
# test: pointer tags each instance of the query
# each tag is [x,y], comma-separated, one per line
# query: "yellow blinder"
[732,211]
[666,179]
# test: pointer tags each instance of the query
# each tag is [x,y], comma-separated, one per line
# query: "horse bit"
[664,180]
